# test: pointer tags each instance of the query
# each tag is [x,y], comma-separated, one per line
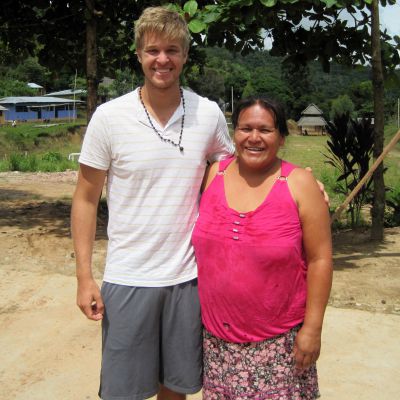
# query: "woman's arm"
[315,221]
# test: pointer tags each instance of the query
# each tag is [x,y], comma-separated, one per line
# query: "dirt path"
[50,351]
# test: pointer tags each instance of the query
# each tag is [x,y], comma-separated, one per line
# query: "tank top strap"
[286,169]
[223,165]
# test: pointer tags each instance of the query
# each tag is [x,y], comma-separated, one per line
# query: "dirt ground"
[50,351]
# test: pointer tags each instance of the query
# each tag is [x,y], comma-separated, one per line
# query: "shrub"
[350,146]
[52,157]
[392,214]
[23,162]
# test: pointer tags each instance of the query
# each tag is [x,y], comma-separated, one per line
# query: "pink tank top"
[251,266]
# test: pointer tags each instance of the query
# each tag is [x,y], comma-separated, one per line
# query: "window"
[21,108]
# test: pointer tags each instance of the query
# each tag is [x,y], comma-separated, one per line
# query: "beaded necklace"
[154,128]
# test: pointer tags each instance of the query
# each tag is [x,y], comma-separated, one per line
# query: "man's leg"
[131,325]
[181,341]
[166,394]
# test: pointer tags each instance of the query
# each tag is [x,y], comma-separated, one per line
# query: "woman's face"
[256,138]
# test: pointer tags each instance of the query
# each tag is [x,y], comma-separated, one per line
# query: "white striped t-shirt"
[152,188]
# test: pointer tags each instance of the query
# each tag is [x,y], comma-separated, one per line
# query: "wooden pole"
[364,179]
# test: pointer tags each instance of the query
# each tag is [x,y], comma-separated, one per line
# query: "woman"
[263,248]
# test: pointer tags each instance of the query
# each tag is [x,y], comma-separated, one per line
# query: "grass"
[31,147]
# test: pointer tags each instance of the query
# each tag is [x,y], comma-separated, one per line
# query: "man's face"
[162,61]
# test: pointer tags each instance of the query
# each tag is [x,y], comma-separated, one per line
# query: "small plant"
[52,156]
[392,214]
[23,162]
[350,146]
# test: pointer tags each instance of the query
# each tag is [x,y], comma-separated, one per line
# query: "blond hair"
[161,21]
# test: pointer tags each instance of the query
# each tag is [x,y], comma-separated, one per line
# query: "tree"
[209,83]
[297,79]
[342,105]
[378,206]
[11,87]
[239,25]
[124,82]
[55,31]
[361,96]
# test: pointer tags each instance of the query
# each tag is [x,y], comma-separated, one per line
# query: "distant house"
[78,94]
[39,89]
[311,121]
[28,108]
[2,114]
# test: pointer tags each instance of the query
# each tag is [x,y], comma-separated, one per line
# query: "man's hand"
[321,188]
[89,299]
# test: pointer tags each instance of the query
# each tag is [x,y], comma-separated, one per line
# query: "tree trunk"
[91,59]
[378,207]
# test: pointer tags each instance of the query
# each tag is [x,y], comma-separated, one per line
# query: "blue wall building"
[28,108]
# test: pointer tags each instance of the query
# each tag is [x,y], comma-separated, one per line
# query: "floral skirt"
[258,370]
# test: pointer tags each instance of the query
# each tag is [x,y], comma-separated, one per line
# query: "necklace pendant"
[163,139]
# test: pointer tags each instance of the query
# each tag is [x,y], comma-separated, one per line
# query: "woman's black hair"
[269,104]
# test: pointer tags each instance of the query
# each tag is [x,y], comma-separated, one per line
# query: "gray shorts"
[150,336]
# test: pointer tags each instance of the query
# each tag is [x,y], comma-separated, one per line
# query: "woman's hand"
[306,348]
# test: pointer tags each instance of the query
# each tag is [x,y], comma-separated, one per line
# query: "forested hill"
[260,73]
[214,72]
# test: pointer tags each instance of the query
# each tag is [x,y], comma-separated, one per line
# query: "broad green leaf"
[211,17]
[173,7]
[190,7]
[268,3]
[197,26]
[330,3]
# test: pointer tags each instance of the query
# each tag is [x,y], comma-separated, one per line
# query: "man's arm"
[83,226]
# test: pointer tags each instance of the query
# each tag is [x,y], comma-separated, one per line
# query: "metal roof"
[34,85]
[36,100]
[311,121]
[68,92]
[3,108]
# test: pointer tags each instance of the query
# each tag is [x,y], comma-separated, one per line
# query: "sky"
[390,18]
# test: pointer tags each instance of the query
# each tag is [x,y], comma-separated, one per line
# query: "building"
[78,94]
[311,121]
[2,114]
[39,108]
[39,89]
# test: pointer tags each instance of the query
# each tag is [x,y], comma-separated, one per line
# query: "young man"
[153,145]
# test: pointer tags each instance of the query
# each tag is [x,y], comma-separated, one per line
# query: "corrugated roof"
[34,85]
[3,108]
[311,121]
[68,92]
[35,100]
